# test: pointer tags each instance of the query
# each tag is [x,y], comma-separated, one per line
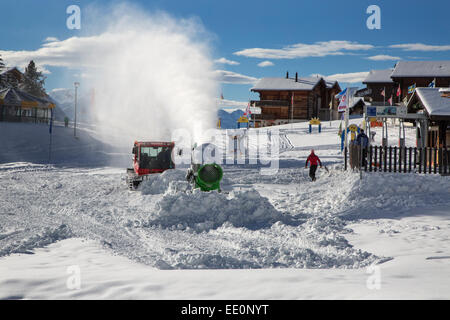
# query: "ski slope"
[267,237]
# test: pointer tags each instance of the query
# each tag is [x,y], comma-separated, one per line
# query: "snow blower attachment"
[207,177]
[149,158]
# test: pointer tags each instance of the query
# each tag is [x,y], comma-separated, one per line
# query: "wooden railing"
[399,159]
[270,103]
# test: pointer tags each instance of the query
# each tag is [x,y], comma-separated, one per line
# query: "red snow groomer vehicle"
[149,158]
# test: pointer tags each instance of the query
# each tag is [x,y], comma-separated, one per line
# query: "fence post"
[390,158]
[400,158]
[424,159]
[435,160]
[404,159]
[415,158]
[395,159]
[446,168]
[430,159]
[440,160]
[410,156]
[370,158]
[445,160]
[376,159]
[385,158]
[345,158]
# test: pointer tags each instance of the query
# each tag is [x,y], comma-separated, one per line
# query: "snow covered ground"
[267,237]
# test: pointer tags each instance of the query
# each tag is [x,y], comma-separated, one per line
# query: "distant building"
[435,104]
[18,105]
[377,81]
[283,100]
[421,74]
[406,74]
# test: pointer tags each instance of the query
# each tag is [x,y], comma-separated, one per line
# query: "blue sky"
[329,38]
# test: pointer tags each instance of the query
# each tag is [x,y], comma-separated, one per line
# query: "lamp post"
[76,84]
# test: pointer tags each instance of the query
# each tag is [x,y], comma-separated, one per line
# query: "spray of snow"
[152,74]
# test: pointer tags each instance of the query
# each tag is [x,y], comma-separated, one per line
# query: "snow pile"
[315,244]
[46,237]
[202,211]
[379,193]
[159,183]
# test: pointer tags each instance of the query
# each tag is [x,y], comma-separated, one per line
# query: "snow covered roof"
[422,69]
[433,101]
[7,70]
[17,97]
[380,76]
[306,83]
[357,101]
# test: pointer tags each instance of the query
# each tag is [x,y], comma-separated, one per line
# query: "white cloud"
[383,57]
[420,47]
[51,39]
[266,63]
[224,103]
[351,77]
[73,52]
[225,76]
[301,50]
[226,61]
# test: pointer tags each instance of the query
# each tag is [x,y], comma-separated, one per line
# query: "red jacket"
[313,159]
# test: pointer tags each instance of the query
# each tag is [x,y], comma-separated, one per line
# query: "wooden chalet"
[285,100]
[435,104]
[16,105]
[377,81]
[421,74]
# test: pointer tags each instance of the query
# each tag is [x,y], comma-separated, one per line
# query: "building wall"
[420,82]
[377,88]
[276,105]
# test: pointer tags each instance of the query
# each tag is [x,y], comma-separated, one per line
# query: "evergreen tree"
[2,68]
[33,81]
[2,64]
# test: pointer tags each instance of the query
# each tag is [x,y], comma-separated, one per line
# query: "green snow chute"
[209,177]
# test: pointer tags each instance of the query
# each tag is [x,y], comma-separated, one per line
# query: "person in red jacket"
[314,161]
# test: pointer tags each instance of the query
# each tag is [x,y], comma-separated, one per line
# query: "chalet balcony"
[270,103]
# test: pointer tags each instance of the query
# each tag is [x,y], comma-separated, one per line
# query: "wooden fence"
[404,160]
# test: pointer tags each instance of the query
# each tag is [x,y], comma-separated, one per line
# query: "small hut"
[18,106]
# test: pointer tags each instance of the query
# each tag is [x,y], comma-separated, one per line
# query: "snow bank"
[182,207]
[202,211]
[30,142]
[159,183]
[26,245]
[378,193]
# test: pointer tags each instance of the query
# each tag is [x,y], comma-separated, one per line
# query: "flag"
[399,91]
[411,88]
[383,93]
[50,128]
[341,93]
[390,100]
[342,104]
[247,110]
[432,84]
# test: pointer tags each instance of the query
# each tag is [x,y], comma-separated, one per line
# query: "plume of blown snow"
[152,74]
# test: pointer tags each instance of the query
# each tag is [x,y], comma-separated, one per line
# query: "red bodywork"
[137,154]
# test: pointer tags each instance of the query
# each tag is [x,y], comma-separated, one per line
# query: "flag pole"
[50,131]
[347,107]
